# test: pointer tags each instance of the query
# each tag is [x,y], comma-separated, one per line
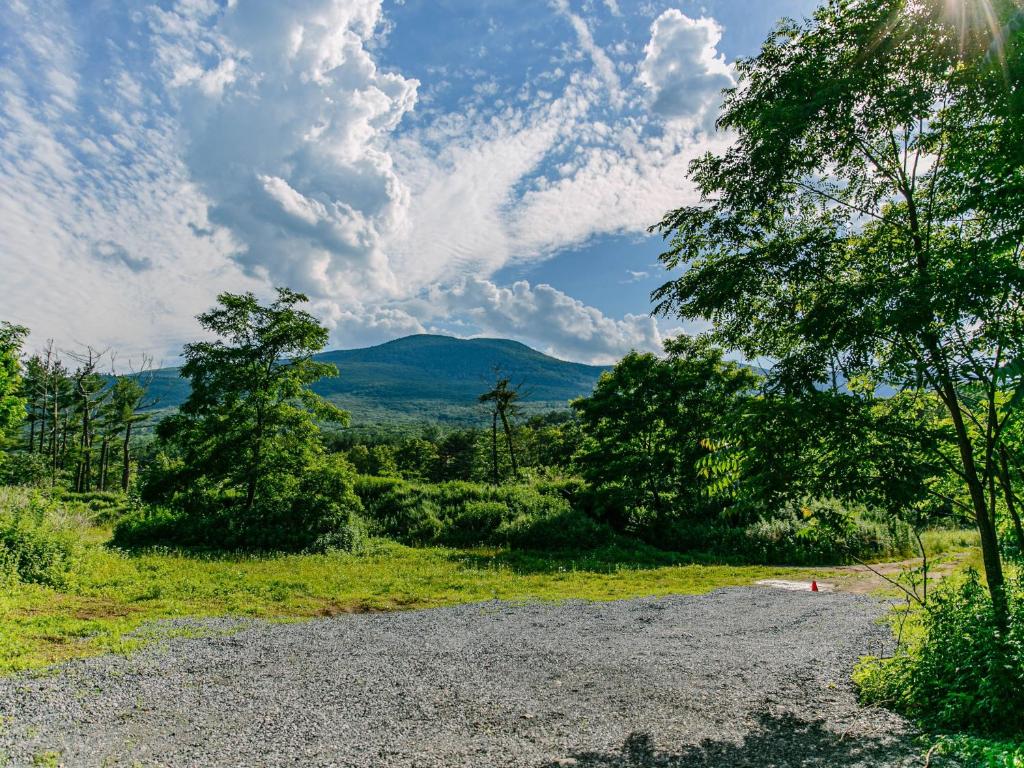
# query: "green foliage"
[811,532]
[866,223]
[865,450]
[377,460]
[470,514]
[242,464]
[12,404]
[979,752]
[315,511]
[647,425]
[36,546]
[26,469]
[963,673]
[416,459]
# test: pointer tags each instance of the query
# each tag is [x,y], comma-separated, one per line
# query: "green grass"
[980,753]
[111,594]
[942,541]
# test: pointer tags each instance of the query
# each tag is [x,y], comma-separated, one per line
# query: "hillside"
[427,378]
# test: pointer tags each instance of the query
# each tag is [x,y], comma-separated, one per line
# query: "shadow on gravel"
[782,741]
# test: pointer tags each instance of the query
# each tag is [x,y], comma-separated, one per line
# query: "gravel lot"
[738,677]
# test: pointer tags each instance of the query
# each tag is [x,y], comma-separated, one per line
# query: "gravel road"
[738,677]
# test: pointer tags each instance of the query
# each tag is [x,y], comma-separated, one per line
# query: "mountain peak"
[431,378]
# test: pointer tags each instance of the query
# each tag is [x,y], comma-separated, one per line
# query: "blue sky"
[475,167]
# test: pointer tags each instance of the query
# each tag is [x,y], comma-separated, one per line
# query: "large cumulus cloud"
[284,112]
[152,155]
[682,67]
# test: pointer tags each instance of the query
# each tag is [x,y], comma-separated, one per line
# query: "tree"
[416,459]
[502,400]
[90,392]
[646,426]
[249,424]
[12,404]
[869,218]
[124,411]
[456,455]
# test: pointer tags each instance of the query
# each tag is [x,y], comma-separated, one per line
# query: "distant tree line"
[75,418]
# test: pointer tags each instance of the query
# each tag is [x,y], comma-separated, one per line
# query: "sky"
[469,167]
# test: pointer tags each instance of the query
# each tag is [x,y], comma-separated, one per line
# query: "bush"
[961,674]
[318,510]
[25,469]
[815,532]
[151,526]
[469,514]
[398,510]
[36,546]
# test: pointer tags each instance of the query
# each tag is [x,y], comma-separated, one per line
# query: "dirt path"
[862,579]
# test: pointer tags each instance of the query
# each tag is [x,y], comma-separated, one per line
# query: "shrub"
[318,510]
[962,673]
[36,545]
[324,513]
[815,532]
[468,514]
[25,469]
[152,526]
[398,510]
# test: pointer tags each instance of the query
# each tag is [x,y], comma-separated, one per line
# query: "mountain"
[428,378]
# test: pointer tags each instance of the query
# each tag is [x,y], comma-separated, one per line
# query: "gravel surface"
[738,677]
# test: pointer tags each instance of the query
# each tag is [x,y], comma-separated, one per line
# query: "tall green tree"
[123,413]
[647,425]
[250,422]
[12,404]
[502,399]
[90,394]
[869,216]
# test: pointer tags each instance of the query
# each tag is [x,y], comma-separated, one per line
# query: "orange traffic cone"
[814,586]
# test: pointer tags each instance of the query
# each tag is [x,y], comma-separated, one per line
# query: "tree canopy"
[12,404]
[646,427]
[251,421]
[868,219]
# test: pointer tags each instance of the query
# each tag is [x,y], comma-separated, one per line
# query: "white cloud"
[604,66]
[547,319]
[682,67]
[205,147]
[98,216]
[291,155]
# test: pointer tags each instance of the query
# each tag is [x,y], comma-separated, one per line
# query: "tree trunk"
[1011,504]
[86,448]
[126,459]
[104,452]
[511,449]
[42,419]
[986,525]
[53,437]
[31,435]
[254,470]
[494,447]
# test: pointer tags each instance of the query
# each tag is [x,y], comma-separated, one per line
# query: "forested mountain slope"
[428,378]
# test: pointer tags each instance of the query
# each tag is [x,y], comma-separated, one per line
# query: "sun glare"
[975,18]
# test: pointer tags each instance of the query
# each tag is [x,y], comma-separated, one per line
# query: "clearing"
[743,676]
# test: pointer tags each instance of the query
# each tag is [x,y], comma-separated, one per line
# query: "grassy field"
[111,594]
